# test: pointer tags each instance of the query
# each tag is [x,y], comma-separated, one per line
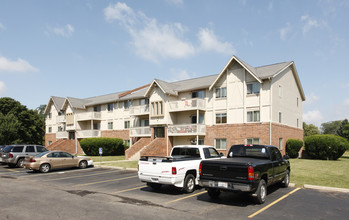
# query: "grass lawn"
[124,164]
[107,158]
[321,172]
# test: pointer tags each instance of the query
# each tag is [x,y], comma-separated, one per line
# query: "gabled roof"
[165,87]
[56,101]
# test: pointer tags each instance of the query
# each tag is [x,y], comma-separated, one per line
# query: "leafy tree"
[343,130]
[8,129]
[31,127]
[310,129]
[41,110]
[330,127]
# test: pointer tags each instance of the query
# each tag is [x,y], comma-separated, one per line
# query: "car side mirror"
[286,157]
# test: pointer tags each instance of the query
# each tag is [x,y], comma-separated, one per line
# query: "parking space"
[125,184]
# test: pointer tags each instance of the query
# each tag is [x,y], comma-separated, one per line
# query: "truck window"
[187,152]
[211,153]
[29,149]
[248,151]
[18,149]
[275,154]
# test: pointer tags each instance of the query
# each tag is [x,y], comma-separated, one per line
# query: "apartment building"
[241,104]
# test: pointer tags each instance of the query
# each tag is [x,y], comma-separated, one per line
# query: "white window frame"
[280,144]
[252,140]
[221,117]
[110,125]
[157,108]
[280,117]
[253,90]
[218,142]
[221,93]
[255,116]
[110,107]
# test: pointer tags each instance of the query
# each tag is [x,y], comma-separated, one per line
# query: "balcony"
[139,110]
[62,135]
[186,130]
[86,116]
[88,133]
[186,105]
[140,132]
[60,119]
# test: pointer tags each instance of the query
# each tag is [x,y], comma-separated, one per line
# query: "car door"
[68,160]
[54,160]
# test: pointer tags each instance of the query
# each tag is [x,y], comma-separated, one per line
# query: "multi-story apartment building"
[241,104]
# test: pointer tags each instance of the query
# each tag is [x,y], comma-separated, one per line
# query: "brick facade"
[50,137]
[123,134]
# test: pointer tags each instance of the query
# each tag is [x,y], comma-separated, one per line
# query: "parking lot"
[118,194]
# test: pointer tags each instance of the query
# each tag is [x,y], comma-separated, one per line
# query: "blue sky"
[88,48]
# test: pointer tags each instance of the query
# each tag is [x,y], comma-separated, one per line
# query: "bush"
[111,146]
[325,147]
[293,146]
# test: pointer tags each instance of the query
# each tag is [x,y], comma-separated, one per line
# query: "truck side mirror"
[286,157]
[221,154]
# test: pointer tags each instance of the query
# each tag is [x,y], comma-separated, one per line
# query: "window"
[97,108]
[49,142]
[127,104]
[252,141]
[221,92]
[253,88]
[110,125]
[221,144]
[221,118]
[69,118]
[280,91]
[194,119]
[275,154]
[127,124]
[110,107]
[50,115]
[96,126]
[297,102]
[17,149]
[144,101]
[198,94]
[211,153]
[280,117]
[253,116]
[280,144]
[40,149]
[49,129]
[157,108]
[144,122]
[29,149]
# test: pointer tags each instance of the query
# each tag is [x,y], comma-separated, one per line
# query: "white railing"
[189,104]
[139,110]
[62,135]
[140,132]
[88,116]
[88,133]
[185,130]
[60,118]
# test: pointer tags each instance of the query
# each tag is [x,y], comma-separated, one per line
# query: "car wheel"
[286,180]
[83,164]
[213,193]
[154,186]
[261,192]
[189,183]
[44,168]
[20,162]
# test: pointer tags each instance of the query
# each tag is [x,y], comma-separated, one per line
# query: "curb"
[119,168]
[325,188]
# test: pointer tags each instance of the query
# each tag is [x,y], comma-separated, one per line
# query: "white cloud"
[2,27]
[313,117]
[66,31]
[310,23]
[20,65]
[270,6]
[346,102]
[179,74]
[176,2]
[285,31]
[154,41]
[311,99]
[209,42]
[2,88]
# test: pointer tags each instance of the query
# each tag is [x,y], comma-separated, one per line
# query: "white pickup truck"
[181,169]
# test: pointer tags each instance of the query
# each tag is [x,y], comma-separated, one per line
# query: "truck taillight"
[250,173]
[174,170]
[10,155]
[32,160]
[200,169]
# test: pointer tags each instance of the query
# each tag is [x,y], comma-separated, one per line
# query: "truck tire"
[213,193]
[20,162]
[189,183]
[261,192]
[286,180]
[154,186]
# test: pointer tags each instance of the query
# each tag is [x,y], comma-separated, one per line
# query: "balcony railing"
[88,133]
[186,130]
[62,135]
[139,110]
[88,116]
[189,104]
[140,132]
[60,118]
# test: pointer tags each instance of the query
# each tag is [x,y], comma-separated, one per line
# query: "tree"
[8,129]
[31,127]
[330,127]
[343,130]
[310,129]
[41,111]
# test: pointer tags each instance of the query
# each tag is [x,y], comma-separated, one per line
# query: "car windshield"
[248,151]
[41,154]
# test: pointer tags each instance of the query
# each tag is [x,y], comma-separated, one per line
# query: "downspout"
[271,109]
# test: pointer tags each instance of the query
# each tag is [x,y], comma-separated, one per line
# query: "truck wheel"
[261,192]
[213,193]
[20,162]
[154,186]
[189,183]
[286,180]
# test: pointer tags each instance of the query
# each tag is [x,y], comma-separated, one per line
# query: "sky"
[88,48]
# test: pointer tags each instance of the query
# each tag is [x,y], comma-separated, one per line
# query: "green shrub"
[293,146]
[325,147]
[111,146]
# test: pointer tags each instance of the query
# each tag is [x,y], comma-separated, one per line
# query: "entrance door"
[159,132]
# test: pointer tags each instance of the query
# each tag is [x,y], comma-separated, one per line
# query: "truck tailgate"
[155,166]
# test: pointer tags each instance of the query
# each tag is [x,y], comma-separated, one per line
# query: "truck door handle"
[223,168]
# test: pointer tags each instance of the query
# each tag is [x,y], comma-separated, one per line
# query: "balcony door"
[159,132]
